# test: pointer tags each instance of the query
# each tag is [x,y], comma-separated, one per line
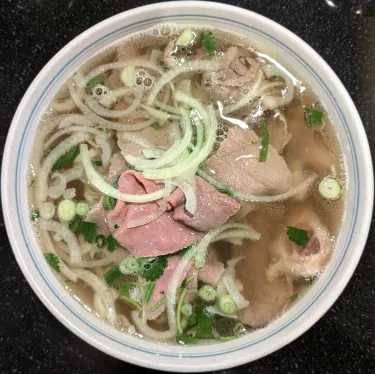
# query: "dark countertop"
[32,340]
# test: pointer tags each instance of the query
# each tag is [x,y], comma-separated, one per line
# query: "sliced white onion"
[188,66]
[104,112]
[166,107]
[57,187]
[262,199]
[111,98]
[193,103]
[69,193]
[48,245]
[233,291]
[70,129]
[63,105]
[41,189]
[251,95]
[47,210]
[213,309]
[73,173]
[153,153]
[188,189]
[103,290]
[97,180]
[106,151]
[159,114]
[75,119]
[67,235]
[134,138]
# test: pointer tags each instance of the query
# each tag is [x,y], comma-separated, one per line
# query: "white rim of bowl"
[200,362]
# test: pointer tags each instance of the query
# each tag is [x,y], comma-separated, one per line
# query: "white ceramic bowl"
[350,242]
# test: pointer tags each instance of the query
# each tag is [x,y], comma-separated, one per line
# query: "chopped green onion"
[330,188]
[227,305]
[313,117]
[186,38]
[129,266]
[158,304]
[109,202]
[97,162]
[207,293]
[34,215]
[208,42]
[264,142]
[92,83]
[66,210]
[297,236]
[131,302]
[112,275]
[149,290]
[112,243]
[53,261]
[125,286]
[82,209]
[187,310]
[294,297]
[100,241]
[66,159]
[116,226]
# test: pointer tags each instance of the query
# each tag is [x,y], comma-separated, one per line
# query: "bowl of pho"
[188,180]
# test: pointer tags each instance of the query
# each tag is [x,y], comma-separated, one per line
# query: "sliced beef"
[278,129]
[162,236]
[213,207]
[116,168]
[231,82]
[98,215]
[236,165]
[161,287]
[294,260]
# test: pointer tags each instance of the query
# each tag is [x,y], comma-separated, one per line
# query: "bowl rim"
[367,186]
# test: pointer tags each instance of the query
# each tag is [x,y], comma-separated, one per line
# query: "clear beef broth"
[265,162]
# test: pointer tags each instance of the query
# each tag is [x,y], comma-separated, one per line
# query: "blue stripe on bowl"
[191,18]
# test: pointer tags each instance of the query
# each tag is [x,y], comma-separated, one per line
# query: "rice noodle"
[75,119]
[97,180]
[63,106]
[172,153]
[262,199]
[41,189]
[189,66]
[70,129]
[106,151]
[56,189]
[103,112]
[67,235]
[48,245]
[251,95]
[103,290]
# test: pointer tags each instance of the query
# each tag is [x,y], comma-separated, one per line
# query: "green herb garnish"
[92,83]
[75,224]
[109,202]
[226,191]
[97,162]
[182,251]
[53,261]
[208,42]
[152,268]
[313,117]
[264,142]
[66,159]
[112,275]
[187,339]
[310,280]
[88,230]
[148,292]
[294,297]
[34,215]
[205,323]
[297,236]
[192,320]
[112,243]
[100,241]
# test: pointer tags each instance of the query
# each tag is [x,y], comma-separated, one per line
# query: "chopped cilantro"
[182,251]
[152,268]
[310,280]
[92,83]
[66,159]
[208,42]
[192,320]
[313,117]
[186,339]
[53,261]
[226,191]
[34,215]
[75,224]
[294,297]
[297,236]
[112,243]
[112,275]
[264,142]
[205,324]
[87,229]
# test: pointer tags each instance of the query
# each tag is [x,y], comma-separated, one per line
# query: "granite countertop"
[32,340]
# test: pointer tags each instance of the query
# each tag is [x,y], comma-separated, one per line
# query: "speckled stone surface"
[32,340]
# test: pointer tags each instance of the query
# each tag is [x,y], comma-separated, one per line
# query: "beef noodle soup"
[186,186]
